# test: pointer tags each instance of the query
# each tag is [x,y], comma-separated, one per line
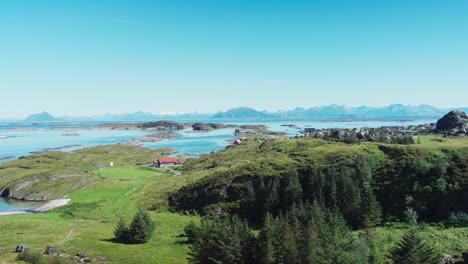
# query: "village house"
[166,162]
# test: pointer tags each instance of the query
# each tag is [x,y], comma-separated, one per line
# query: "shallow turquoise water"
[196,143]
[9,205]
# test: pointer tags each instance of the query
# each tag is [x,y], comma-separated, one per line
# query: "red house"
[166,162]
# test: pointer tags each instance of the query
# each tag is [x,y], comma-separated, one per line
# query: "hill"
[241,180]
[41,117]
[242,113]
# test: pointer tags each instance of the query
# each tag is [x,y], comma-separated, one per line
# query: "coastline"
[48,206]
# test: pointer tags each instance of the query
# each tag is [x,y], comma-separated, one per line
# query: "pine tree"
[371,212]
[191,231]
[221,241]
[289,250]
[412,249]
[121,231]
[292,192]
[141,229]
[266,239]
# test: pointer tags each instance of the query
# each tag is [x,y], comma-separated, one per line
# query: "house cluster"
[166,162]
[367,134]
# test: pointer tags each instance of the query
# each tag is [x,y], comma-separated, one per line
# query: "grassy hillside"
[431,176]
[230,180]
[93,214]
[52,175]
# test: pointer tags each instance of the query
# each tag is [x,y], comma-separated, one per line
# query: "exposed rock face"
[447,259]
[99,259]
[453,120]
[22,248]
[24,188]
[51,251]
[206,127]
[161,125]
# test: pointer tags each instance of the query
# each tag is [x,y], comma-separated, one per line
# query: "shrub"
[457,219]
[30,257]
[411,216]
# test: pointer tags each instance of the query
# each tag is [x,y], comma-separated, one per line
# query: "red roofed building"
[166,162]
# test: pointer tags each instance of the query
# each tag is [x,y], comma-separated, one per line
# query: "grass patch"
[93,214]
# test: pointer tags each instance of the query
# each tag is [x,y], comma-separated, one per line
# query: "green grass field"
[93,214]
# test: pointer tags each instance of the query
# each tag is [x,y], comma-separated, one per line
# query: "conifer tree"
[266,254]
[141,229]
[371,212]
[412,249]
[121,231]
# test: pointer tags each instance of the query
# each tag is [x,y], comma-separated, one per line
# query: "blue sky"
[96,56]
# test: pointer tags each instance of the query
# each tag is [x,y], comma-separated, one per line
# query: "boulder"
[447,259]
[453,120]
[98,259]
[22,248]
[51,251]
[81,254]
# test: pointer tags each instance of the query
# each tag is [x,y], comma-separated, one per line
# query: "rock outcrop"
[81,254]
[51,251]
[22,248]
[447,259]
[455,122]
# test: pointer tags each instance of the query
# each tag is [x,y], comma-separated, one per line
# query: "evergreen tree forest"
[298,206]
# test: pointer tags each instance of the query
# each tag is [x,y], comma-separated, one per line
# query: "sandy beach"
[48,206]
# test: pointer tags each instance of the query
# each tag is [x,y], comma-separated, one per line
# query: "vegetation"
[94,213]
[365,182]
[274,201]
[54,174]
[412,249]
[457,219]
[140,230]
[31,257]
[273,184]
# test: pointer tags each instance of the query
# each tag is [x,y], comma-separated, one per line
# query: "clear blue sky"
[95,56]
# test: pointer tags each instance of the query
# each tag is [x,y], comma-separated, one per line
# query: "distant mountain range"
[330,111]
[339,111]
[243,112]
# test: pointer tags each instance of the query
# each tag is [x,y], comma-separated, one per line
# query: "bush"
[411,216]
[140,230]
[30,257]
[457,219]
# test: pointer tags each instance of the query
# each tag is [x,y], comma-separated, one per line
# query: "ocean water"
[10,205]
[18,139]
[23,138]
[194,143]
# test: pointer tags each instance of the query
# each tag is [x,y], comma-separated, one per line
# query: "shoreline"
[48,206]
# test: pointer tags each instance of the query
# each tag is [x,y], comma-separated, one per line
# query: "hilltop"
[42,117]
[242,113]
